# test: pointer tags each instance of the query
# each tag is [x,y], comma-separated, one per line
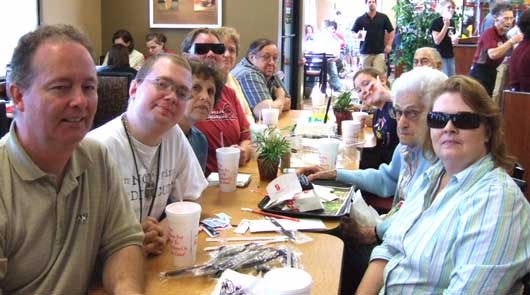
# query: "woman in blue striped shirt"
[465,225]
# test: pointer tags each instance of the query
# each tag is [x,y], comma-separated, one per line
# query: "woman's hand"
[316,172]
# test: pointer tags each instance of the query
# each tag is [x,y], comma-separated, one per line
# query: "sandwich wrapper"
[286,190]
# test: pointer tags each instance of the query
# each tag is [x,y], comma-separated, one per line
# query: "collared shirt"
[256,87]
[52,235]
[374,42]
[389,179]
[474,238]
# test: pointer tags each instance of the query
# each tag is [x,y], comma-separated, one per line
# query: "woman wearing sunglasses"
[465,225]
[257,75]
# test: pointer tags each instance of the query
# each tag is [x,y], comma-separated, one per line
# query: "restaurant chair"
[113,95]
[315,70]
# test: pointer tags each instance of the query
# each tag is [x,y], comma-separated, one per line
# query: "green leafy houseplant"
[341,109]
[413,20]
[271,147]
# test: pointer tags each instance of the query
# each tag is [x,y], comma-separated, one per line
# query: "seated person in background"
[372,87]
[428,57]
[206,88]
[123,37]
[230,38]
[520,60]
[412,99]
[63,204]
[118,61]
[260,84]
[156,43]
[464,227]
[492,47]
[146,144]
[227,119]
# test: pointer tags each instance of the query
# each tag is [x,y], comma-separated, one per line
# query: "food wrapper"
[302,202]
[362,213]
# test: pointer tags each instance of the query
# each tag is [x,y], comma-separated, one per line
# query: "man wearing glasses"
[157,163]
[227,124]
[493,46]
[257,75]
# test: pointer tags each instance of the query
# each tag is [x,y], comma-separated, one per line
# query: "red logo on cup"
[277,187]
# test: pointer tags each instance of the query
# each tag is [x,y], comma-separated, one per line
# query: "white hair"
[421,81]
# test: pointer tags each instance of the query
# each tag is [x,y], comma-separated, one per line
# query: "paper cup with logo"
[350,131]
[361,117]
[270,116]
[183,219]
[287,281]
[227,167]
[328,149]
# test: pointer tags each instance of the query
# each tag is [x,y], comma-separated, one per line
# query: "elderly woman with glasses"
[412,100]
[464,227]
[257,75]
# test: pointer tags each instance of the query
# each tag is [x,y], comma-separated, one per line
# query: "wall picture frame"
[185,13]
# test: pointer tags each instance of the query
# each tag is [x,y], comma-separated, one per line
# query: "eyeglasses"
[410,114]
[461,120]
[169,86]
[268,58]
[203,48]
[422,61]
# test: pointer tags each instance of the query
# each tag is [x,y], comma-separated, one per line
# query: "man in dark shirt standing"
[493,46]
[378,39]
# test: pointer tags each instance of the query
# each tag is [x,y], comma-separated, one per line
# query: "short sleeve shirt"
[490,39]
[445,47]
[375,27]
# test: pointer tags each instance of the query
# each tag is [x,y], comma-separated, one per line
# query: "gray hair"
[21,67]
[437,58]
[421,81]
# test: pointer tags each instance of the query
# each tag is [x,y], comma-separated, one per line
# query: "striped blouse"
[473,239]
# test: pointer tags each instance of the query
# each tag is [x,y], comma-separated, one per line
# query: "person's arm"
[500,51]
[123,271]
[245,148]
[372,280]
[389,37]
[254,87]
[281,96]
[439,35]
[381,181]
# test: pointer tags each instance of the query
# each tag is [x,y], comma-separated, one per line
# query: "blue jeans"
[333,73]
[448,66]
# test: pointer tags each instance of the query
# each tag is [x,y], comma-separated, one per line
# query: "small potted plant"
[271,147]
[341,108]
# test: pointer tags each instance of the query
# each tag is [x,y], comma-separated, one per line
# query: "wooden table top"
[321,257]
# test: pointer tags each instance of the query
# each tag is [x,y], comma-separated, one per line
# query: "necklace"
[150,187]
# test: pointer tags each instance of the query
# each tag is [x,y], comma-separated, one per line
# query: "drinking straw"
[327,109]
[222,140]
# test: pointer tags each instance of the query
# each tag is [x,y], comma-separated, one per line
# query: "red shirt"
[228,117]
[520,66]
[489,39]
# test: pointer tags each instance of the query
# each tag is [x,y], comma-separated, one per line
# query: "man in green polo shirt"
[62,203]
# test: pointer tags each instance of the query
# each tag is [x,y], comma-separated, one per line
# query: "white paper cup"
[183,219]
[227,167]
[363,35]
[318,102]
[287,281]
[328,149]
[270,116]
[350,131]
[361,117]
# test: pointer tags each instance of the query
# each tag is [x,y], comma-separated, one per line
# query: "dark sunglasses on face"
[461,120]
[203,48]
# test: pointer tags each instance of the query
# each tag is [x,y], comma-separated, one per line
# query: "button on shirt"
[473,239]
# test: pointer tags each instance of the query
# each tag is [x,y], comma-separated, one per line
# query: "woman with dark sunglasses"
[465,225]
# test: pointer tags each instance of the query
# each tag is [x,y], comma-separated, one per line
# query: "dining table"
[321,257]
